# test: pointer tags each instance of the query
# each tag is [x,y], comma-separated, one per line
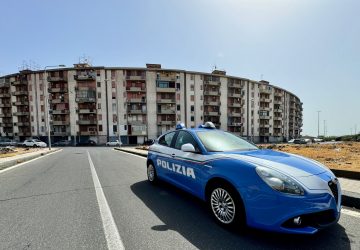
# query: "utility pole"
[355,128]
[318,123]
[324,128]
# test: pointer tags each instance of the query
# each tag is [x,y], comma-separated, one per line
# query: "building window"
[177,107]
[99,84]
[100,117]
[125,127]
[99,94]
[191,77]
[113,95]
[192,108]
[178,97]
[115,128]
[192,118]
[112,74]
[201,87]
[192,98]
[192,87]
[114,107]
[201,97]
[113,84]
[100,128]
[42,108]
[178,86]
[99,105]
[98,72]
[42,128]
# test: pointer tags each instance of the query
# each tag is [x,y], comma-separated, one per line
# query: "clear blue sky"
[311,48]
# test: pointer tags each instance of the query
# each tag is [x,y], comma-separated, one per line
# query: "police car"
[244,185]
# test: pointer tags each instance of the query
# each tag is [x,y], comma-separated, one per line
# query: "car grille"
[333,184]
[317,219]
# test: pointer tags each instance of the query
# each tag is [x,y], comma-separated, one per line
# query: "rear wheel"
[226,206]
[151,174]
[34,146]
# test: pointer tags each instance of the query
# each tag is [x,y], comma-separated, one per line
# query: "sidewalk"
[13,160]
[350,188]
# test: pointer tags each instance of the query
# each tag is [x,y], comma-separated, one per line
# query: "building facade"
[135,104]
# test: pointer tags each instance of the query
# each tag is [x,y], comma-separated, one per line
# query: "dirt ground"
[345,156]
[17,151]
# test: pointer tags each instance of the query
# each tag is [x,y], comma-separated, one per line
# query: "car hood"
[290,164]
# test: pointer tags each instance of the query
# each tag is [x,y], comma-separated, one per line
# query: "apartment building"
[134,104]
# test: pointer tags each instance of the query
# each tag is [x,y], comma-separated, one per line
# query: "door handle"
[172,155]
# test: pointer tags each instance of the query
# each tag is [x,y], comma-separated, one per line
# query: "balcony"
[86,122]
[166,101]
[278,125]
[166,122]
[20,92]
[278,102]
[87,77]
[235,95]
[136,78]
[265,90]
[263,99]
[265,117]
[60,123]
[5,105]
[138,132]
[137,123]
[212,113]
[57,90]
[166,90]
[5,115]
[5,95]
[23,124]
[87,111]
[235,85]
[22,113]
[57,79]
[166,111]
[6,124]
[278,134]
[279,94]
[4,85]
[59,100]
[277,118]
[166,78]
[264,125]
[85,99]
[135,89]
[25,133]
[234,124]
[19,82]
[212,93]
[212,83]
[136,111]
[21,103]
[60,112]
[278,110]
[234,114]
[212,103]
[235,104]
[264,108]
[264,134]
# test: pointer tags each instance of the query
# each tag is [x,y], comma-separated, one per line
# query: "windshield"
[219,141]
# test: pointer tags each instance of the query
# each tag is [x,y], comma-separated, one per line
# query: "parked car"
[291,141]
[87,143]
[8,142]
[34,143]
[114,143]
[62,143]
[300,141]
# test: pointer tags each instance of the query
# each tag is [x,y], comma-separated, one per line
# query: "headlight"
[279,181]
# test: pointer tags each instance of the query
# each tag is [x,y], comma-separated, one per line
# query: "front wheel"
[151,174]
[226,206]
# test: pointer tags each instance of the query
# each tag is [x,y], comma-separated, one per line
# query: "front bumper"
[274,211]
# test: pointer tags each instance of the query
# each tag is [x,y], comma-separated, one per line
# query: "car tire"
[230,215]
[35,146]
[151,174]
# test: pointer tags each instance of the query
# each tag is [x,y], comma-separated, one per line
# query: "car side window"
[165,140]
[183,138]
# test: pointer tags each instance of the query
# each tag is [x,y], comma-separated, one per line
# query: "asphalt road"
[52,203]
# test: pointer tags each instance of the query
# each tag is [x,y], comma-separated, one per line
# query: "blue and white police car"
[244,185]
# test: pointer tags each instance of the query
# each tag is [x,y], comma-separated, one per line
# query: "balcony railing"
[265,90]
[264,125]
[6,124]
[85,99]
[166,111]
[263,99]
[166,122]
[136,100]
[264,117]
[20,92]
[4,85]
[88,132]
[23,124]
[86,111]
[60,112]
[25,133]
[136,111]
[212,83]
[87,122]
[213,93]
[166,90]
[212,113]
[166,101]
[236,95]
[21,103]
[5,115]
[234,114]
[5,95]
[61,133]
[5,105]
[234,124]
[21,113]
[212,103]
[135,89]
[59,100]
[136,78]
[58,90]
[86,77]
[57,79]
[277,118]
[62,122]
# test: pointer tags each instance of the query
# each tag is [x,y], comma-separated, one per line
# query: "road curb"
[131,152]
[25,158]
[346,174]
[349,199]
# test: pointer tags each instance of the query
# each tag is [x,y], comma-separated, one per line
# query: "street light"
[318,123]
[46,99]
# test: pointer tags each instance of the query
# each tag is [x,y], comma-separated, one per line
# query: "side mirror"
[188,147]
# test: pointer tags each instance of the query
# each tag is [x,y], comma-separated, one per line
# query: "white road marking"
[26,162]
[112,235]
[350,212]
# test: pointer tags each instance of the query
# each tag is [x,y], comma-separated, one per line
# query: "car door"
[190,169]
[164,156]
